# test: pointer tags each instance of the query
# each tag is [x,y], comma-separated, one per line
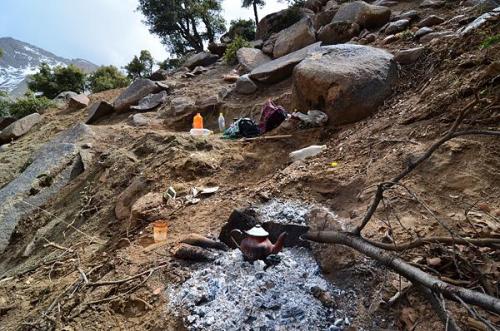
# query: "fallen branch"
[483,242]
[126,280]
[452,133]
[52,244]
[411,273]
[285,136]
[440,309]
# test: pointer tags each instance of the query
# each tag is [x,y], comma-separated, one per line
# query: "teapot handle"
[239,234]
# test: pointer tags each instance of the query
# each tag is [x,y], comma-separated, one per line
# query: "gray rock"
[251,58]
[482,4]
[276,22]
[19,128]
[296,37]
[180,105]
[151,101]
[409,15]
[268,45]
[6,121]
[323,18]
[139,120]
[65,96]
[398,26]
[338,32]
[422,32]
[257,43]
[135,92]
[430,21]
[346,81]
[57,159]
[478,22]
[200,59]
[99,110]
[432,3]
[386,3]
[217,48]
[435,35]
[390,39]
[280,69]
[244,85]
[367,16]
[159,75]
[408,56]
[78,102]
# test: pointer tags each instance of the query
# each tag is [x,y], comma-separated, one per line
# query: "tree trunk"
[255,12]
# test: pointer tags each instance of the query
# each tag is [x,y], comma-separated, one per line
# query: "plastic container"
[222,123]
[160,230]
[198,121]
[200,132]
[304,153]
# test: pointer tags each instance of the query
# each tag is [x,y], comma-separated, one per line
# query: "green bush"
[243,28]
[141,66]
[106,78]
[51,82]
[232,48]
[171,64]
[490,41]
[27,105]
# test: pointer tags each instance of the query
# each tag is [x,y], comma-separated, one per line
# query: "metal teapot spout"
[278,246]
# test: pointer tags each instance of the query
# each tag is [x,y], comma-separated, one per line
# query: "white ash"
[285,212]
[232,294]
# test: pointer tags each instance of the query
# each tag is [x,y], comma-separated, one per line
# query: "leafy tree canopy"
[184,25]
[106,78]
[51,82]
[141,66]
[242,28]
[254,4]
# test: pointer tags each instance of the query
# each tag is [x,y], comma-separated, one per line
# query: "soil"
[456,190]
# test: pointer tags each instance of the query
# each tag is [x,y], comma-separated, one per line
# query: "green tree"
[170,64]
[21,107]
[51,82]
[141,66]
[184,25]
[243,28]
[254,4]
[1,53]
[106,78]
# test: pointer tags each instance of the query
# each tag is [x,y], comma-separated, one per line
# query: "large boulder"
[135,92]
[78,102]
[19,128]
[245,85]
[6,121]
[366,15]
[159,75]
[151,101]
[200,59]
[99,110]
[58,160]
[338,32]
[251,58]
[280,69]
[323,18]
[296,37]
[278,21]
[347,81]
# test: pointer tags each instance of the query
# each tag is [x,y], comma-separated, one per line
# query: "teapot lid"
[257,231]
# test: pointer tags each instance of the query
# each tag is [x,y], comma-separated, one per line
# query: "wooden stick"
[488,242]
[283,136]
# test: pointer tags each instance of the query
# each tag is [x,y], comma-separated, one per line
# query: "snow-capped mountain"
[21,59]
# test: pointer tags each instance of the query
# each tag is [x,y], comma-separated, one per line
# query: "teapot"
[257,246]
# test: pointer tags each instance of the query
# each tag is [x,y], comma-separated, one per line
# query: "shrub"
[232,48]
[106,78]
[51,82]
[28,104]
[171,64]
[490,41]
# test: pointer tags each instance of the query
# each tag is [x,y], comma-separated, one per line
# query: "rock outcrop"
[296,37]
[366,15]
[279,69]
[251,58]
[200,59]
[134,93]
[19,128]
[151,101]
[99,110]
[347,81]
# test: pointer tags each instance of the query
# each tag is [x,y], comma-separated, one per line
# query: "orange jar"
[160,230]
[198,121]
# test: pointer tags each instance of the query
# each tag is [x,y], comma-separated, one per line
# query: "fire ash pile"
[232,294]
[283,212]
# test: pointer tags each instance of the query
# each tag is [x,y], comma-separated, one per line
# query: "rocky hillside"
[392,215]
[21,59]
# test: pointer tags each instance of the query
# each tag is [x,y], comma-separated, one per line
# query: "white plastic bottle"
[304,153]
[222,123]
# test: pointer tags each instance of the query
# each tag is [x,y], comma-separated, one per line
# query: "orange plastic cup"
[198,121]
[160,230]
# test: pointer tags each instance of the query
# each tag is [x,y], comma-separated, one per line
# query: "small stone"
[409,56]
[397,26]
[430,21]
[244,85]
[390,39]
[422,32]
[78,102]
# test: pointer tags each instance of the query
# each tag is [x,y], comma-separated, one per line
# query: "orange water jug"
[198,122]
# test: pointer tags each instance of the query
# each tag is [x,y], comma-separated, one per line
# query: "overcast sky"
[101,31]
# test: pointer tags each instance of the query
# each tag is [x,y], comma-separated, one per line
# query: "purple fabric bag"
[271,117]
